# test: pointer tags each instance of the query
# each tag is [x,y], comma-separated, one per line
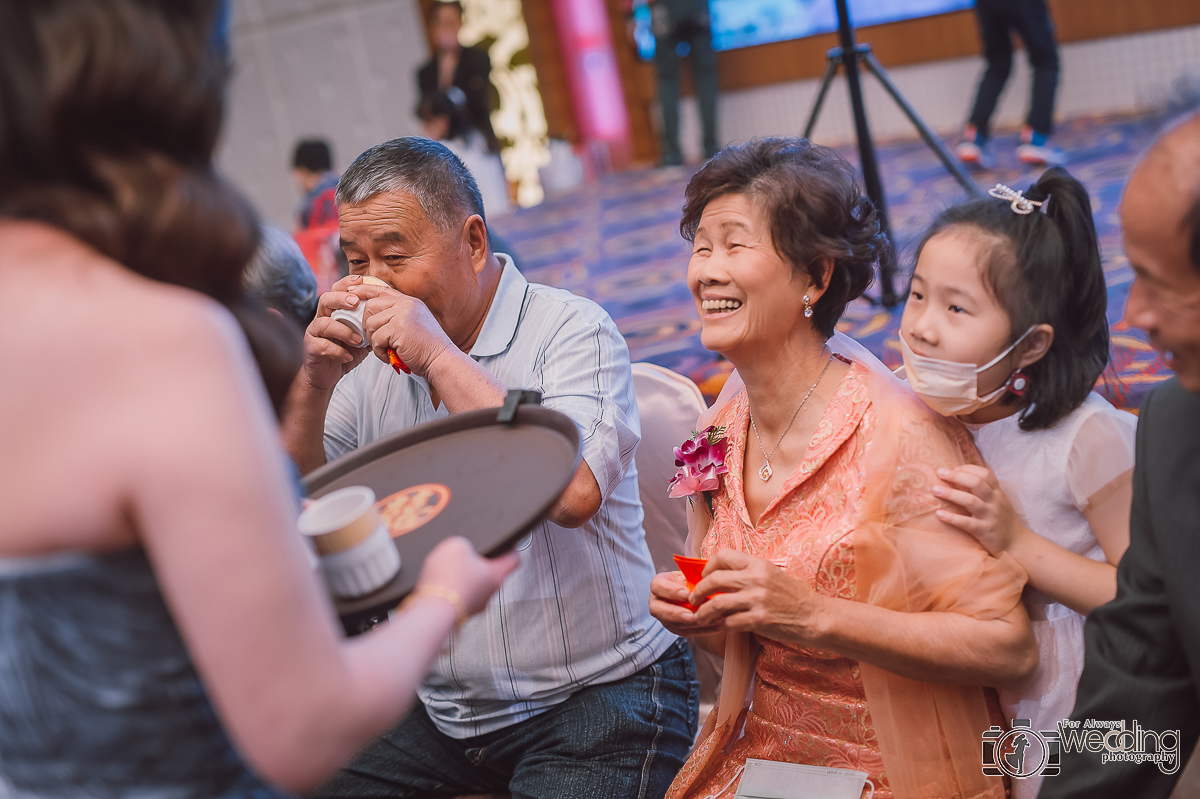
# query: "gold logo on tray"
[411,508]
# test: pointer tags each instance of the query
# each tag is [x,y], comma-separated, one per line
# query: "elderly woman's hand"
[749,594]
[668,592]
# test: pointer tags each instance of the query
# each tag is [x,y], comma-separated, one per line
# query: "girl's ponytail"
[1078,310]
[1070,208]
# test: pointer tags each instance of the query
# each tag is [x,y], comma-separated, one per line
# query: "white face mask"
[950,388]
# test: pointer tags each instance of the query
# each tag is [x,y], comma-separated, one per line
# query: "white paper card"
[768,779]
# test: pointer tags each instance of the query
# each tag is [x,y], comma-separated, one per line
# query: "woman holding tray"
[162,632]
[858,630]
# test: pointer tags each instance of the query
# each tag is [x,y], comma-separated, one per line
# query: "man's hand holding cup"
[332,346]
[394,320]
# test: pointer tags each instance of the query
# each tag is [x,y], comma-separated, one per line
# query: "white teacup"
[356,550]
[353,317]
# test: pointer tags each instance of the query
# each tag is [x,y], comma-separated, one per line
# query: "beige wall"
[930,51]
[341,69]
[1102,76]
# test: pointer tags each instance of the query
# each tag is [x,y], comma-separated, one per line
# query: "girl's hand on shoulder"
[742,593]
[989,514]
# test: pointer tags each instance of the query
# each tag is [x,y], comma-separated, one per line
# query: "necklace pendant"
[765,472]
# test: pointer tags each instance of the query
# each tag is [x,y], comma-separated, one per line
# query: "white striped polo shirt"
[576,611]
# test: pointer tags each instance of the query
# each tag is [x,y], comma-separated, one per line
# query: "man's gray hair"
[424,168]
[280,277]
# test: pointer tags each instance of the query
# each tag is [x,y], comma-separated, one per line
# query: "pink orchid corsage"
[700,462]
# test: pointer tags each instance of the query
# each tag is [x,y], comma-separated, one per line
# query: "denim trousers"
[624,740]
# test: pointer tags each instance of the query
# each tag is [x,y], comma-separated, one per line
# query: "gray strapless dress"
[98,696]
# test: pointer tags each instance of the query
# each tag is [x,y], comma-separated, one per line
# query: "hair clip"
[1017,200]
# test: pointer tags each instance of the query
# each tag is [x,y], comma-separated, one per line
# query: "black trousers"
[675,22]
[1030,19]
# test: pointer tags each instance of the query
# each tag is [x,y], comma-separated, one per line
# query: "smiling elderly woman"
[869,628]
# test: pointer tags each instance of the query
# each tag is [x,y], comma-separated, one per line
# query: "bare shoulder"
[130,326]
[85,309]
[98,345]
[178,325]
[109,368]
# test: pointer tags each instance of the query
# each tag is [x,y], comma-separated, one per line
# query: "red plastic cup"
[693,569]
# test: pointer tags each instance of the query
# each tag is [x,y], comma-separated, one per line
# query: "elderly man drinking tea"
[565,685]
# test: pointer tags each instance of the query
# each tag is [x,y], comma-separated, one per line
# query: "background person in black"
[1142,659]
[998,20]
[455,83]
[682,27]
[456,104]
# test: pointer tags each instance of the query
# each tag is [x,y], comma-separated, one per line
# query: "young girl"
[1005,328]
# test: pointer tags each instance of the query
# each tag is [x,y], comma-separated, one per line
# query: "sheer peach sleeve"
[929,735]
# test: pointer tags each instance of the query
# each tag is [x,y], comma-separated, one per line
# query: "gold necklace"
[765,472]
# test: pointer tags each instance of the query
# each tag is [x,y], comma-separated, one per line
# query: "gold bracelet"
[441,592]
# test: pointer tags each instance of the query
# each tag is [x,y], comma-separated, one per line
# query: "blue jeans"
[624,740]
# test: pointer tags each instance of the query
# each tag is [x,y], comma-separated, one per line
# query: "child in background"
[1016,284]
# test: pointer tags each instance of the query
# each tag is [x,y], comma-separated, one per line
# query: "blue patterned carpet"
[617,242]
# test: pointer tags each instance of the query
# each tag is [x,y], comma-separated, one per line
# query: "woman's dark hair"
[313,155]
[817,212]
[109,113]
[438,5]
[1044,268]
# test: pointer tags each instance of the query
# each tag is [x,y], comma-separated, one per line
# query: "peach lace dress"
[809,706]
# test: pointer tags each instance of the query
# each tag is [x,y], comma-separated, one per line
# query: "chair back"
[669,405]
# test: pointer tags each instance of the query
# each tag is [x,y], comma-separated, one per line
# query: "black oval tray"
[503,478]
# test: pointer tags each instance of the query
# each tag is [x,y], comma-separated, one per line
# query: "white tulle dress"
[1051,476]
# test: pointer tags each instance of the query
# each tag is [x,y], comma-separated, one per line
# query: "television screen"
[742,23]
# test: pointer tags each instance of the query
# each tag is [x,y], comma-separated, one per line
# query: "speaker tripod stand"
[848,57]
